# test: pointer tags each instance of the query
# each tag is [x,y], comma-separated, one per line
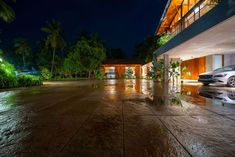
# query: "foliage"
[46,74]
[86,55]
[164,38]
[145,49]
[72,63]
[174,71]
[151,73]
[7,14]
[29,80]
[100,75]
[43,57]
[158,68]
[129,73]
[115,53]
[23,48]
[54,40]
[8,77]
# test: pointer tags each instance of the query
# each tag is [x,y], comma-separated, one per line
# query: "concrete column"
[166,66]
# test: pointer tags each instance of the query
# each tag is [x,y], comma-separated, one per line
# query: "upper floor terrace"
[206,26]
[179,14]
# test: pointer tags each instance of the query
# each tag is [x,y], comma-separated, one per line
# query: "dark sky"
[120,23]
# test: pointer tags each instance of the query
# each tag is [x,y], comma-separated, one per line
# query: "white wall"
[217,62]
[214,62]
[208,63]
[229,59]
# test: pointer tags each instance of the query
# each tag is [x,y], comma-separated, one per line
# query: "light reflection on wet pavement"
[117,118]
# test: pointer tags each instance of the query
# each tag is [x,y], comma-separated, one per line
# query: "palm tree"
[23,48]
[54,40]
[7,14]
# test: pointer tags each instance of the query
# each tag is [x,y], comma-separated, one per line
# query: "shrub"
[8,77]
[164,38]
[46,74]
[8,82]
[29,80]
[129,73]
[100,75]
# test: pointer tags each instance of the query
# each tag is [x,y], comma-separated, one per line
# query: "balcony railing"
[200,9]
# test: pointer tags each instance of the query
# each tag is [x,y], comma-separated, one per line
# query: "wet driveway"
[117,118]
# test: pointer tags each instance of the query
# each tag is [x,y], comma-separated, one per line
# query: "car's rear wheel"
[231,81]
[206,84]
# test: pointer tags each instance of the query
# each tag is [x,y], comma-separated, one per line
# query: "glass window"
[227,68]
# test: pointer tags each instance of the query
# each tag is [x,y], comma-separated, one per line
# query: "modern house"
[121,68]
[203,34]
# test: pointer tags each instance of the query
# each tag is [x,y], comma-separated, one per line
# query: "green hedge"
[29,80]
[8,82]
[8,78]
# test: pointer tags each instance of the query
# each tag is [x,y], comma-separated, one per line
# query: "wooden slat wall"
[195,67]
[120,69]
[138,71]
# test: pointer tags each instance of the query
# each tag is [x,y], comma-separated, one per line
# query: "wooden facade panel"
[202,65]
[138,71]
[195,67]
[120,69]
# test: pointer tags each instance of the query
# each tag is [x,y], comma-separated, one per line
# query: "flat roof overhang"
[213,33]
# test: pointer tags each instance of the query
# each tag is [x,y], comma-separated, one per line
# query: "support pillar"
[166,66]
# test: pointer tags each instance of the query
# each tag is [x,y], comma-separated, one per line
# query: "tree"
[95,55]
[7,14]
[145,49]
[115,53]
[72,63]
[54,40]
[42,55]
[23,48]
[86,55]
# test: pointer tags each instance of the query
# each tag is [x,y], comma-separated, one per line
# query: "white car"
[225,75]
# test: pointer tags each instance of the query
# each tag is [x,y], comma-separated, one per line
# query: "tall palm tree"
[7,14]
[54,40]
[23,48]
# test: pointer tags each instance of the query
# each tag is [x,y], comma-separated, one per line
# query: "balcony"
[196,12]
[198,20]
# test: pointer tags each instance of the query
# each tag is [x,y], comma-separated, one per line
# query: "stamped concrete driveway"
[113,118]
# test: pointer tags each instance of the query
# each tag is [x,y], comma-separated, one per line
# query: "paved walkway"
[109,119]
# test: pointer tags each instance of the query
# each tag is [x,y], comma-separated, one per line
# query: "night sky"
[120,23]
